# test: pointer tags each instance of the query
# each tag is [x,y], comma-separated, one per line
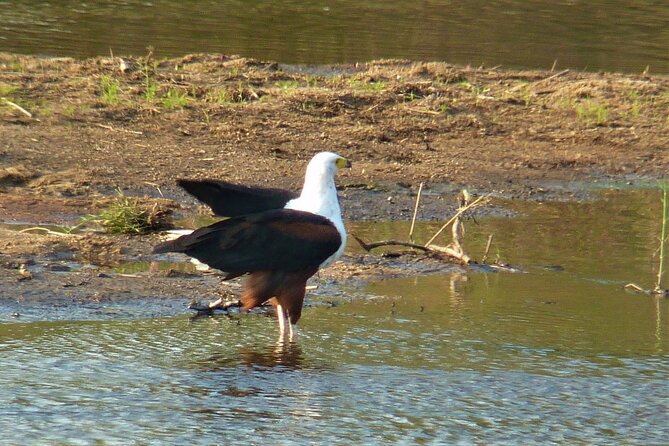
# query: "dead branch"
[454,249]
[635,287]
[457,231]
[434,249]
[451,252]
[461,211]
[369,246]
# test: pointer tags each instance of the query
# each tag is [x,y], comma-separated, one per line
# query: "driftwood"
[461,210]
[457,231]
[454,249]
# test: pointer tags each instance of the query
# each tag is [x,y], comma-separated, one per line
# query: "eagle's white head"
[323,167]
[319,194]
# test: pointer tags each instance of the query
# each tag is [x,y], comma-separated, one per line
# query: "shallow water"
[594,35]
[559,354]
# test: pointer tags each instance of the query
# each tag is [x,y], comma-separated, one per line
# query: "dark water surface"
[593,35]
[559,354]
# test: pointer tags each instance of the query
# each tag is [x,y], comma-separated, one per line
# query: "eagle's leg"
[292,332]
[281,316]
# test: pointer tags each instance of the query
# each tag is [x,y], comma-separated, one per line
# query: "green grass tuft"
[240,94]
[635,103]
[312,81]
[591,112]
[110,89]
[370,87]
[288,84]
[7,90]
[127,216]
[174,99]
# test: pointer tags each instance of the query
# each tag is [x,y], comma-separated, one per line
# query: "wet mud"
[76,133]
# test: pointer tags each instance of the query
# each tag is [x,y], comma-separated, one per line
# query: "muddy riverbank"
[74,132]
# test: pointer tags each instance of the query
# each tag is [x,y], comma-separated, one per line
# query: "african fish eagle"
[279,238]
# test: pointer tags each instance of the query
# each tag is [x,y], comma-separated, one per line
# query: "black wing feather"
[283,239]
[231,200]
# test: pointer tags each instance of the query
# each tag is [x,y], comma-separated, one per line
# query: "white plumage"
[319,195]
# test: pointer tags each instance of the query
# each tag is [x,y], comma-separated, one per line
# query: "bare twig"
[156,186]
[556,75]
[487,249]
[45,230]
[424,112]
[663,236]
[109,127]
[415,212]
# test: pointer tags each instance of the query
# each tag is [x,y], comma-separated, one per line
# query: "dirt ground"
[73,132]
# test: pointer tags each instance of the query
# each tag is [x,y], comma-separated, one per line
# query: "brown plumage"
[279,287]
[280,249]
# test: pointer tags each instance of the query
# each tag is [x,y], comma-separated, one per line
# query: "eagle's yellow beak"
[342,162]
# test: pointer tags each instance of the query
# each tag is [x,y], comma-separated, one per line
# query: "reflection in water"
[593,35]
[457,281]
[281,356]
[551,356]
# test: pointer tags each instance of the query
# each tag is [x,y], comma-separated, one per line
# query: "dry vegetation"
[93,124]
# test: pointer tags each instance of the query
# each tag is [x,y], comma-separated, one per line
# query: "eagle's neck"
[319,196]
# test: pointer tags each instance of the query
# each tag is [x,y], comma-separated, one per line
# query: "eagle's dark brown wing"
[232,200]
[276,240]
